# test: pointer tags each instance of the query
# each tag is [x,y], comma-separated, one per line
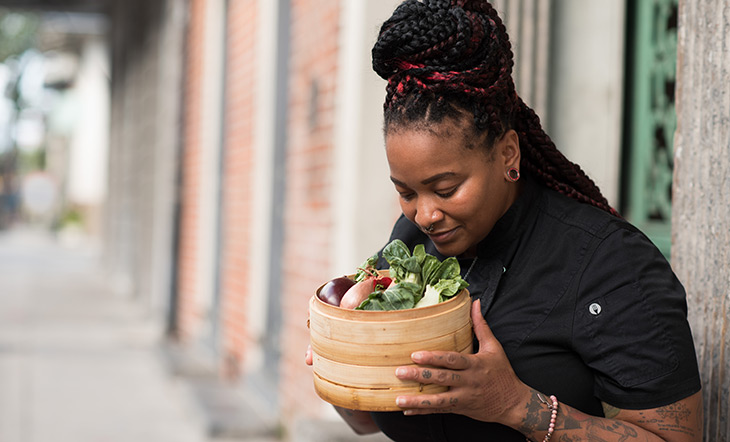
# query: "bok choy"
[419,279]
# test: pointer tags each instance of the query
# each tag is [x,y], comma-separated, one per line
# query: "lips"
[442,236]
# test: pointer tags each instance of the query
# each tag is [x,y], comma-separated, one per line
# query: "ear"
[508,150]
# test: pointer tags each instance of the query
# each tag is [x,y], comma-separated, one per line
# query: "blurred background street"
[145,290]
[77,361]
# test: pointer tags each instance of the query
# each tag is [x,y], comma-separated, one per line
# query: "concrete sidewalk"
[77,362]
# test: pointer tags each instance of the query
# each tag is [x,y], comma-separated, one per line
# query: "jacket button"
[595,309]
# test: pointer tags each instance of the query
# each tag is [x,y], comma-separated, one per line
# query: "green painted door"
[651,118]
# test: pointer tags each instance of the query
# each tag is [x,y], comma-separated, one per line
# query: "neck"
[515,190]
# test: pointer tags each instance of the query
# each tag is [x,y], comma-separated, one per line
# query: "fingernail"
[417,356]
[400,372]
[400,401]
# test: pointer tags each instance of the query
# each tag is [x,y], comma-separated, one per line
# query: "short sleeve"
[631,325]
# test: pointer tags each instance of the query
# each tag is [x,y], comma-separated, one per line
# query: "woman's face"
[461,191]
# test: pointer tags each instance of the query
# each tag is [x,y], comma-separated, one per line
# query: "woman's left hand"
[483,386]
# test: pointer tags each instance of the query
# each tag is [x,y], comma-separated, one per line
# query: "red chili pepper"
[381,283]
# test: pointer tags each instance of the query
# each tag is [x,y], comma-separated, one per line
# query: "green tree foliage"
[18,31]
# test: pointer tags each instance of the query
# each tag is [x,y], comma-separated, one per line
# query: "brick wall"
[308,215]
[237,170]
[188,314]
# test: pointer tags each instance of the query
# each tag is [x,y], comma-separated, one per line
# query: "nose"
[427,212]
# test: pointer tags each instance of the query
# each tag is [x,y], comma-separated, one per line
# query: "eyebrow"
[429,180]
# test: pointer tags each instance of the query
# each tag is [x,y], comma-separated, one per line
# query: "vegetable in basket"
[416,280]
[419,279]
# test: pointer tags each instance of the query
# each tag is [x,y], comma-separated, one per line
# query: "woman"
[587,336]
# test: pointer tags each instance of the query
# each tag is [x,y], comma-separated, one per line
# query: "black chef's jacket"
[585,307]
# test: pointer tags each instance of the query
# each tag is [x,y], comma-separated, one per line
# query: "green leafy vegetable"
[400,296]
[366,268]
[419,279]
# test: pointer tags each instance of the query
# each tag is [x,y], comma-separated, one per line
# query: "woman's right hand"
[360,421]
[308,356]
[354,296]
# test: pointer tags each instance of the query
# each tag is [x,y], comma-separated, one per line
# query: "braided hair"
[444,59]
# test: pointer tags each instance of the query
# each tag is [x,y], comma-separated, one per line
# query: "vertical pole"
[701,213]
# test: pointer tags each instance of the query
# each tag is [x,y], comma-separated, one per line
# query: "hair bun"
[443,36]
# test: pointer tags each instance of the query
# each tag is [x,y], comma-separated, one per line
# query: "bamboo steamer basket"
[356,352]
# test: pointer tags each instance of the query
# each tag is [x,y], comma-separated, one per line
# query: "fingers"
[308,356]
[428,403]
[446,359]
[467,376]
[481,330]
[429,375]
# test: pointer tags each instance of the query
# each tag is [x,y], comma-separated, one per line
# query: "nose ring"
[429,229]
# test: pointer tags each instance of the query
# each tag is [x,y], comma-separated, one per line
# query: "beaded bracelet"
[553,407]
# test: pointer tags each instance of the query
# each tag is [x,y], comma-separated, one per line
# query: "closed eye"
[406,196]
[447,193]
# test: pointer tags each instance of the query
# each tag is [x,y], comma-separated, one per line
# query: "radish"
[357,294]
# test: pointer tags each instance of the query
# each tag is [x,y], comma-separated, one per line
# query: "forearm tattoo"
[674,418]
[575,426]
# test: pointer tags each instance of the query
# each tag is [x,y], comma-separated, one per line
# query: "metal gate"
[651,118]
